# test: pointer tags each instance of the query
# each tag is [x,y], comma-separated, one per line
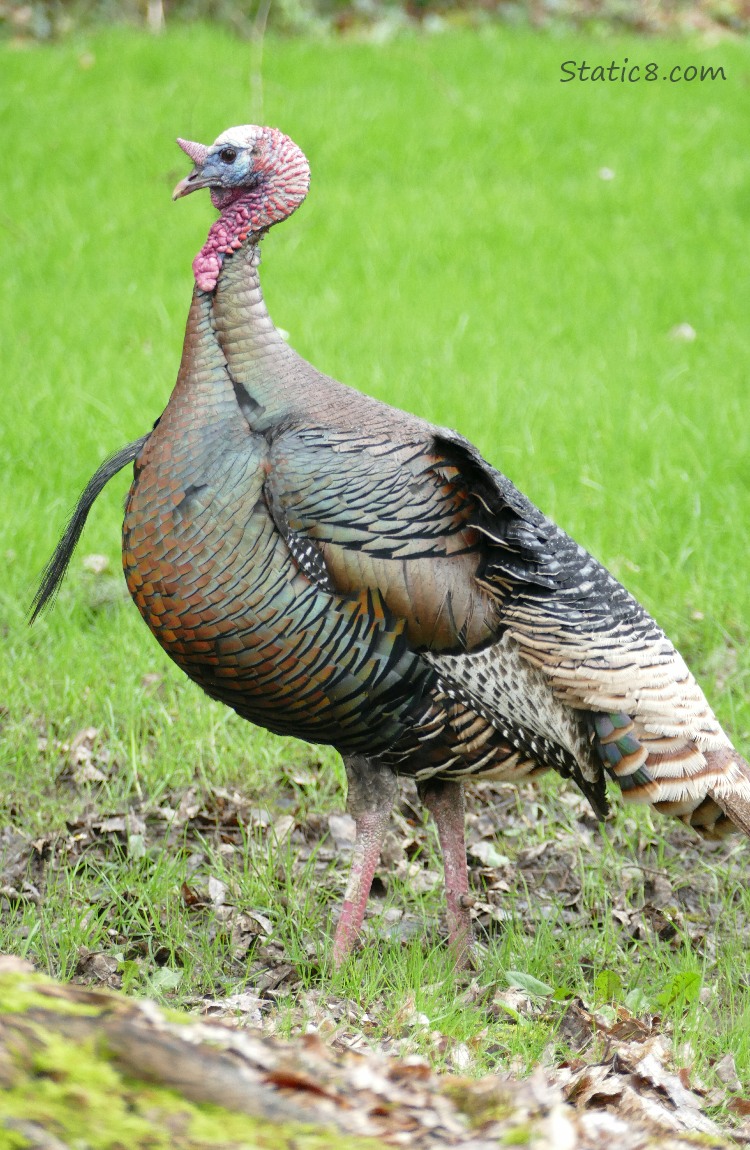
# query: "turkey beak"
[198,153]
[191,183]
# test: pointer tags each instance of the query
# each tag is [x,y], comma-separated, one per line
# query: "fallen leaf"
[726,1072]
[217,891]
[488,854]
[343,831]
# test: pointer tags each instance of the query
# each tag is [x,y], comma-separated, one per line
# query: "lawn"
[558,270]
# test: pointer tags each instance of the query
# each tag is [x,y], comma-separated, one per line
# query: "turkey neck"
[236,367]
[260,363]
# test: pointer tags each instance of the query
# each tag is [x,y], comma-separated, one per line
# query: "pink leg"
[372,790]
[445,802]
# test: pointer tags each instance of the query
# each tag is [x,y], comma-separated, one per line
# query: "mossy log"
[94,1070]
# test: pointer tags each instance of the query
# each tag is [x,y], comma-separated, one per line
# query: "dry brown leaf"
[283,827]
[343,831]
[593,1082]
[726,1072]
[217,891]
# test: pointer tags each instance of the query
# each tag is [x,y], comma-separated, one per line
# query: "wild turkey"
[335,569]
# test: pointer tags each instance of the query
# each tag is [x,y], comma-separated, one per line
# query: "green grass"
[460,256]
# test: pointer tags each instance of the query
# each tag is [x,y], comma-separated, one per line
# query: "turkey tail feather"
[732,791]
[709,790]
[54,572]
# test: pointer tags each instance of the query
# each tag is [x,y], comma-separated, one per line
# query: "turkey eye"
[228,155]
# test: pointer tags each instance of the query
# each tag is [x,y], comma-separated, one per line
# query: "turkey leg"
[372,790]
[445,802]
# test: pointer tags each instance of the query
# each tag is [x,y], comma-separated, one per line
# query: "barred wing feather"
[565,618]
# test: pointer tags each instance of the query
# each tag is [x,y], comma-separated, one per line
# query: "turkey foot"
[445,802]
[372,790]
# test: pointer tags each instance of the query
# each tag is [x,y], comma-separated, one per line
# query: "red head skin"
[266,182]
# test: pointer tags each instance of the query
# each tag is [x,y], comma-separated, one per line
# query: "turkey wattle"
[338,570]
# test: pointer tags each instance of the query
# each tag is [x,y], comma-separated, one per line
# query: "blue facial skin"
[227,168]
